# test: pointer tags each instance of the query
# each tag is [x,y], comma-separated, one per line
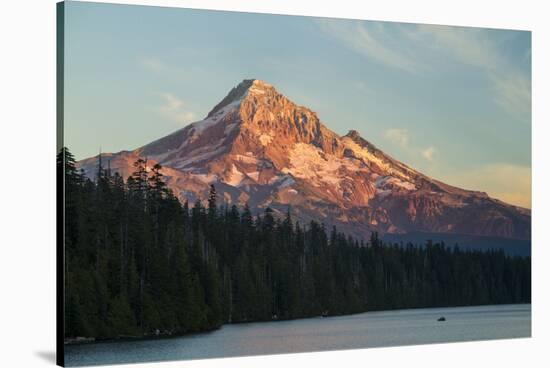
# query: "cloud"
[173,109]
[400,137]
[417,48]
[397,136]
[472,46]
[507,182]
[468,45]
[370,40]
[513,93]
[428,153]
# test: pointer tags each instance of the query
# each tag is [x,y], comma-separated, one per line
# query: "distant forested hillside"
[138,263]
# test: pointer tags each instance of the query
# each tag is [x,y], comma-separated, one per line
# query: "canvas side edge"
[60,187]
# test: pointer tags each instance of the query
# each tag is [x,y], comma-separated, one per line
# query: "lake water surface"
[371,329]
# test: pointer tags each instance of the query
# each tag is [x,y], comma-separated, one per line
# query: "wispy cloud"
[468,45]
[417,48]
[472,46]
[397,136]
[173,109]
[401,138]
[428,153]
[513,92]
[374,43]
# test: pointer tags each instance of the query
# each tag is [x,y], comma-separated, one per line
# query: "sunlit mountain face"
[258,147]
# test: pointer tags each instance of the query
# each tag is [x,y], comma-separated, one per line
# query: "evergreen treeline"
[138,262]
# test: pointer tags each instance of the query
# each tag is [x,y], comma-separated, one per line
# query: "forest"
[138,262]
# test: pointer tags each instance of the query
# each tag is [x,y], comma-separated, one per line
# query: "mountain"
[258,147]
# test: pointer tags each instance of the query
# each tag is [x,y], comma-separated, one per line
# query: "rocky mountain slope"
[258,147]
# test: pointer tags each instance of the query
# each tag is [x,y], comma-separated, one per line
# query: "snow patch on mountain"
[311,163]
[282,181]
[199,155]
[206,178]
[389,181]
[369,158]
[229,128]
[255,175]
[199,127]
[235,176]
[248,158]
[258,87]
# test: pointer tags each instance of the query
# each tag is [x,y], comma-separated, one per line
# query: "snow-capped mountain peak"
[260,148]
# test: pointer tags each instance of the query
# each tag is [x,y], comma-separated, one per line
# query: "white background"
[27,181]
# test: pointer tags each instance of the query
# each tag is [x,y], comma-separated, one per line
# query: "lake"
[365,330]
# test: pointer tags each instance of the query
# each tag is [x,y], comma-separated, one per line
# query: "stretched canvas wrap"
[235,184]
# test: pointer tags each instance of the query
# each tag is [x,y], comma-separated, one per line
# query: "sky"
[452,102]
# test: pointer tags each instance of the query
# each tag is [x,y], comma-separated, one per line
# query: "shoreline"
[93,340]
